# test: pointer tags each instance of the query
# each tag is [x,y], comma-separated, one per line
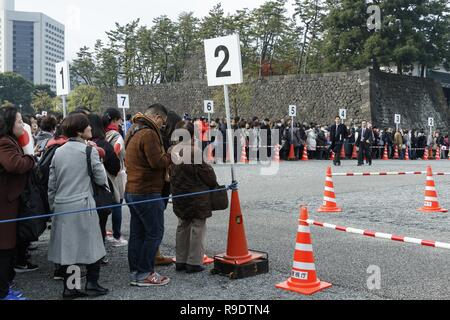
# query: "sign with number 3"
[224,61]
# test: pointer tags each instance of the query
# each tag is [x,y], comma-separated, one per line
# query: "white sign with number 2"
[224,61]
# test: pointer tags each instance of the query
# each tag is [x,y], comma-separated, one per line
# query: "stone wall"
[365,94]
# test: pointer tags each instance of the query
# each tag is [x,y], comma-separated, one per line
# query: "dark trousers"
[146,233]
[337,152]
[22,250]
[103,220]
[93,273]
[7,273]
[364,151]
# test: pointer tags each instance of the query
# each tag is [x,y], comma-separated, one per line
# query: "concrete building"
[30,44]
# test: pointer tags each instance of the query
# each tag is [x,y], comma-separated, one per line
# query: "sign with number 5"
[224,61]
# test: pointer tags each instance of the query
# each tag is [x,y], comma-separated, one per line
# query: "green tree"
[84,66]
[16,89]
[42,101]
[46,88]
[85,96]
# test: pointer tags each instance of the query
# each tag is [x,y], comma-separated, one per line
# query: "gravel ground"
[270,205]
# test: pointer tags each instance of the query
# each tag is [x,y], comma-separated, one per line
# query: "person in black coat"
[338,133]
[364,140]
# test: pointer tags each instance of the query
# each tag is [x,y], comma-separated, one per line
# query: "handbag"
[219,199]
[102,195]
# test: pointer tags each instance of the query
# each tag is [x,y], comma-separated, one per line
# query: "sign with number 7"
[123,101]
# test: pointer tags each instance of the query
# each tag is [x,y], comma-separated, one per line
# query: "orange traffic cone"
[332,156]
[407,154]
[237,249]
[431,196]
[292,154]
[343,155]
[425,155]
[449,155]
[355,153]
[206,260]
[385,155]
[244,158]
[305,153]
[329,202]
[277,154]
[438,153]
[303,278]
[396,157]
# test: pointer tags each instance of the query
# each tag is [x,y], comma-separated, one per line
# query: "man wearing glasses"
[147,162]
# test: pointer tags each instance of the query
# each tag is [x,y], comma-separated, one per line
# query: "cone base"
[305,291]
[428,210]
[224,258]
[329,210]
[206,260]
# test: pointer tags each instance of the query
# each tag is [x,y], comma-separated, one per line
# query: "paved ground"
[270,204]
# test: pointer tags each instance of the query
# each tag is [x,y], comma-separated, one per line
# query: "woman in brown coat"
[14,166]
[193,211]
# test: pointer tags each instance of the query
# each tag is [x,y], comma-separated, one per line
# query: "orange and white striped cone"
[355,153]
[210,154]
[329,199]
[305,154]
[406,154]
[244,158]
[438,153]
[449,155]
[385,155]
[332,156]
[431,196]
[396,157]
[303,278]
[343,155]
[277,154]
[425,155]
[292,154]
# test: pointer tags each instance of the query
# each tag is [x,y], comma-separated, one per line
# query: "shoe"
[11,297]
[95,290]
[74,294]
[194,269]
[153,280]
[163,261]
[104,261]
[180,267]
[33,247]
[18,294]
[117,243]
[59,274]
[133,279]
[27,268]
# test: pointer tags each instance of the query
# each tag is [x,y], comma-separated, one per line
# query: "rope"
[233,186]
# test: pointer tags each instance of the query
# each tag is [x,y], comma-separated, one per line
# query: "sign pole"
[292,130]
[64,106]
[229,131]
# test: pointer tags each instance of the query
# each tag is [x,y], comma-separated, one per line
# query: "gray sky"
[87,20]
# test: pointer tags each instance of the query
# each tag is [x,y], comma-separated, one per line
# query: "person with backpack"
[76,239]
[48,128]
[112,121]
[14,170]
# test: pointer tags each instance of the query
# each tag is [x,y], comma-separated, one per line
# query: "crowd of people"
[85,159]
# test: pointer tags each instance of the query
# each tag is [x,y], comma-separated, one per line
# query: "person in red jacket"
[14,169]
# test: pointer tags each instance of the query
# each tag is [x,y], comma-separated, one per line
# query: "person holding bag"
[192,212]
[14,170]
[76,239]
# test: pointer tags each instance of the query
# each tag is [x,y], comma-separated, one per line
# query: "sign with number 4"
[123,101]
[224,61]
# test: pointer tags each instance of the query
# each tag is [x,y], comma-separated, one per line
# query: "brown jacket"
[14,166]
[192,178]
[146,160]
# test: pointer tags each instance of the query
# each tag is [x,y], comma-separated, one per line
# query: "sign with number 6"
[209,106]
[292,111]
[224,61]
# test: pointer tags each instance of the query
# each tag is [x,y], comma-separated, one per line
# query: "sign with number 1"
[224,61]
[62,78]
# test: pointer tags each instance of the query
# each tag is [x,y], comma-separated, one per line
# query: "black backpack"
[43,166]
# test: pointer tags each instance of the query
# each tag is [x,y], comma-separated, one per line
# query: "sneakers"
[104,261]
[153,280]
[11,297]
[29,267]
[18,294]
[133,279]
[117,243]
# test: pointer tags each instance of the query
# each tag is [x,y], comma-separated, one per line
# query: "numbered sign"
[209,106]
[398,119]
[343,114]
[224,61]
[123,101]
[62,78]
[292,111]
[431,122]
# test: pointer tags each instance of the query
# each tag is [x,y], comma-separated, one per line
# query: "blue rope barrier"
[232,186]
